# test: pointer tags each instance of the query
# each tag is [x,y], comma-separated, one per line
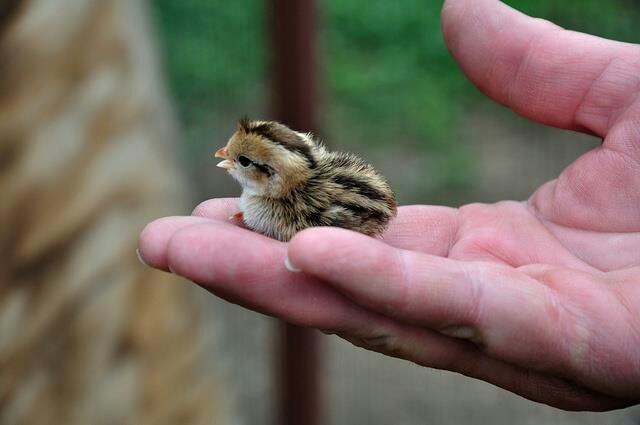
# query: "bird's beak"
[227,164]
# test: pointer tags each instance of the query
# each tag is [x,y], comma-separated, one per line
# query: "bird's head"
[267,158]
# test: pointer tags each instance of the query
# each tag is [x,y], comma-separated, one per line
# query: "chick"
[290,181]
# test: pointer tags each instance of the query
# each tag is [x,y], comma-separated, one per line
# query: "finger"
[218,208]
[508,313]
[554,76]
[248,269]
[430,349]
[154,238]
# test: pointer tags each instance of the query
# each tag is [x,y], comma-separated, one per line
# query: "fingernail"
[289,266]
[462,332]
[140,258]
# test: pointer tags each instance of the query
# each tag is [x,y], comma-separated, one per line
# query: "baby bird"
[290,181]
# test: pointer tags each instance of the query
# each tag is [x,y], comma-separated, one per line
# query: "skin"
[540,297]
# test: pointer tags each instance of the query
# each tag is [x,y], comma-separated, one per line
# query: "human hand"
[539,297]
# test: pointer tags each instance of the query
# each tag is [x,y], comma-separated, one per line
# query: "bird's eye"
[244,161]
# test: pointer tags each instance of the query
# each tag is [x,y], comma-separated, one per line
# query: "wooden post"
[291,26]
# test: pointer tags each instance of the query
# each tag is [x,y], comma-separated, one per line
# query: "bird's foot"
[237,218]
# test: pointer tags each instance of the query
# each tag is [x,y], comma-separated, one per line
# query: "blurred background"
[389,91]
[109,113]
[436,138]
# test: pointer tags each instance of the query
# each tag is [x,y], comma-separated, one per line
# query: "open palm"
[539,297]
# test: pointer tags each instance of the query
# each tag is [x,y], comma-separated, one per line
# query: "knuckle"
[401,300]
[475,301]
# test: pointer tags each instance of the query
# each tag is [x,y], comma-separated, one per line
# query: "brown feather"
[331,189]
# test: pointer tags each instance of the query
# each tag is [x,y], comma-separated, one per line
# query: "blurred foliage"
[382,63]
[214,52]
[615,19]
